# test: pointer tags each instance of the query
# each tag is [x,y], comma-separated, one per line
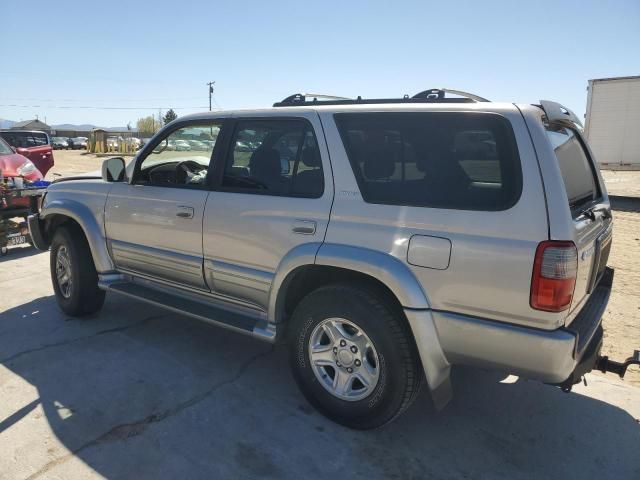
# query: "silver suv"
[383,240]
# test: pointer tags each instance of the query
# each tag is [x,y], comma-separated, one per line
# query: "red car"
[14,165]
[33,145]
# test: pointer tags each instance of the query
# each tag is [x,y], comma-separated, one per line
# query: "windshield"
[5,149]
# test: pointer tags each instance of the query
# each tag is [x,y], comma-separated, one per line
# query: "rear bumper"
[35,230]
[557,356]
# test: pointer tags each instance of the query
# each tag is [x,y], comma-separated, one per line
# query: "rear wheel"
[73,273]
[353,356]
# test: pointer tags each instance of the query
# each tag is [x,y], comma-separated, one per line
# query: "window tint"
[443,160]
[181,158]
[25,139]
[577,172]
[274,157]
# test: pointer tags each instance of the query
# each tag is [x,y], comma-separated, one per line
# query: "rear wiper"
[593,211]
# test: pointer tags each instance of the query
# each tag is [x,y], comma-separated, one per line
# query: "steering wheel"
[186,167]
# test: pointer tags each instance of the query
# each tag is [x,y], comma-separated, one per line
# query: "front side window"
[466,161]
[274,157]
[181,158]
[577,172]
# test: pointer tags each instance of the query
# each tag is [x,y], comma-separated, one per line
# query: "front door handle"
[304,227]
[184,211]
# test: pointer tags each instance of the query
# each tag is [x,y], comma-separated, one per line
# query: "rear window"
[466,161]
[25,139]
[576,168]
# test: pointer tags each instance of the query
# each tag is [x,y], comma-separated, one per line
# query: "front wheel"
[353,356]
[73,273]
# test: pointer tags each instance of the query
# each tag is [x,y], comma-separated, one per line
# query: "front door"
[154,222]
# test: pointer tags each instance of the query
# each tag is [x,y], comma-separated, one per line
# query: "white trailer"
[613,122]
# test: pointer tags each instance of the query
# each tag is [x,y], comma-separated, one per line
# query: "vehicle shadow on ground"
[16,253]
[136,392]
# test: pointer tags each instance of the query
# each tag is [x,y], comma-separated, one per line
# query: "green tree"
[170,116]
[147,125]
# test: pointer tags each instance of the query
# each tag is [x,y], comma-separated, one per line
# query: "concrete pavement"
[137,392]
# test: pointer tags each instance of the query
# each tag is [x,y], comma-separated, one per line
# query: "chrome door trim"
[162,263]
[239,281]
[233,304]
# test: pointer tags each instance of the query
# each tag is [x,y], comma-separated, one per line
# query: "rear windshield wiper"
[593,211]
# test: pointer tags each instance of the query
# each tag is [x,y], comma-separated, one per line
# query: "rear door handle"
[184,211]
[304,227]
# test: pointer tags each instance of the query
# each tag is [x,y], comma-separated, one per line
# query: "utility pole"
[211,84]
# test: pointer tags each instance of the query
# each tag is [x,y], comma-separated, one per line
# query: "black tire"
[400,374]
[83,297]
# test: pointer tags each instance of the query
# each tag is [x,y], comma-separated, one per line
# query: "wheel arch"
[303,273]
[59,212]
[312,265]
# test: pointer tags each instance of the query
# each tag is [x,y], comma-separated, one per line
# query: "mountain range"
[4,123]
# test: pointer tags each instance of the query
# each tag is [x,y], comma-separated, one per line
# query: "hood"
[9,165]
[80,176]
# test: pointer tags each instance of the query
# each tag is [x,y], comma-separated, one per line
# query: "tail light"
[554,276]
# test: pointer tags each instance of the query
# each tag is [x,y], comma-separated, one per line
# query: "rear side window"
[25,139]
[274,157]
[577,171]
[466,161]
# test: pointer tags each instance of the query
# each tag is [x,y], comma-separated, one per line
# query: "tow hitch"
[605,365]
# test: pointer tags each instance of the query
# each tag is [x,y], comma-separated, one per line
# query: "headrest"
[265,163]
[379,164]
[310,157]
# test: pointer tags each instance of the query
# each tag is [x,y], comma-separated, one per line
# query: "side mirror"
[113,170]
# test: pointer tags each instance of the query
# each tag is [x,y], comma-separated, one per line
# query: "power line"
[95,107]
[101,99]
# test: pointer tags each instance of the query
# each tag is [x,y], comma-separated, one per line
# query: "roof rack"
[433,95]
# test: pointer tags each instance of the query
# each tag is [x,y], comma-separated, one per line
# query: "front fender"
[91,222]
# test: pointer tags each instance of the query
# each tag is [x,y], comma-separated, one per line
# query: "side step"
[192,306]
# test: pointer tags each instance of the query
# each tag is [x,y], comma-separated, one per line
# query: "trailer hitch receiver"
[605,365]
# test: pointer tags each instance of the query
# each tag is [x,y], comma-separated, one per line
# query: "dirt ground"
[73,162]
[622,319]
[622,183]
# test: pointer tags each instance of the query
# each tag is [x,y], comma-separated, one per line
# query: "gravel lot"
[622,183]
[137,392]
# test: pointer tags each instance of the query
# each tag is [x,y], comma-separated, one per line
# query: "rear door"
[590,210]
[273,194]
[33,145]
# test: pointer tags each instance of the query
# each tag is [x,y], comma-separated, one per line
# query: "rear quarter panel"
[492,253]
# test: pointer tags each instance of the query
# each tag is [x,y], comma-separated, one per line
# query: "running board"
[192,306]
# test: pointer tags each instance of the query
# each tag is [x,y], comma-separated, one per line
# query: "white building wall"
[613,122]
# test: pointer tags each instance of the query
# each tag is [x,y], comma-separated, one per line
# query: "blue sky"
[145,55]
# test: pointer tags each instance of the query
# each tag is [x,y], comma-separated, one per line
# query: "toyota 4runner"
[384,240]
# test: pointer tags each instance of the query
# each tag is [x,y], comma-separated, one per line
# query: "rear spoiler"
[559,115]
